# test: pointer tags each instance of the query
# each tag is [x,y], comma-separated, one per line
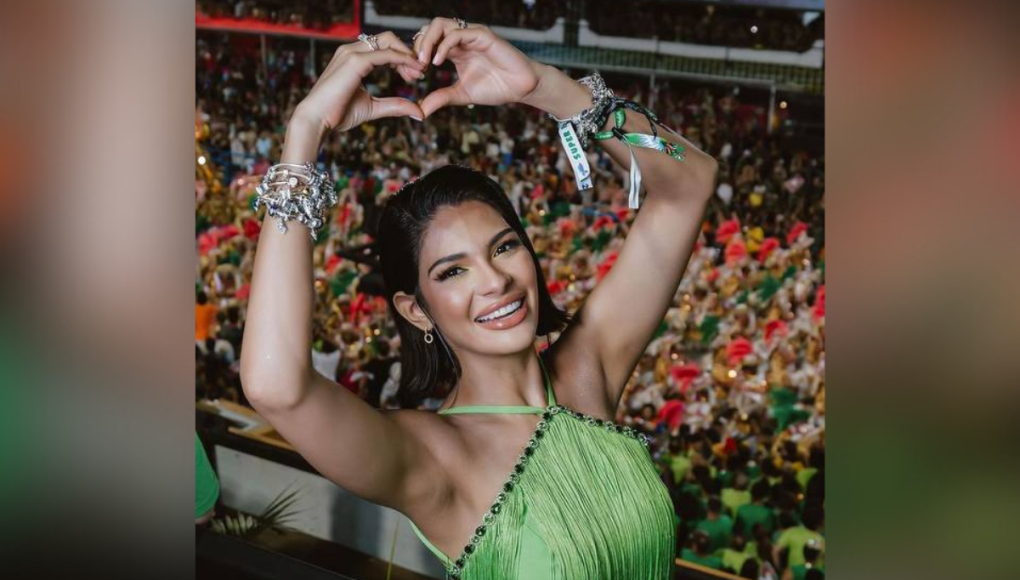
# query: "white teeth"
[509,308]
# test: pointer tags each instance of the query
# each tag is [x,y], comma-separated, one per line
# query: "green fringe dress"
[584,501]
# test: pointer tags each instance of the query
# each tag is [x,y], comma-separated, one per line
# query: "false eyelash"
[512,243]
[447,273]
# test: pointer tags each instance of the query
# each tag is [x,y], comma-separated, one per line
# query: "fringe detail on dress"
[595,497]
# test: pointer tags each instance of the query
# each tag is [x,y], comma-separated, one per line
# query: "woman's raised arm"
[359,448]
[620,315]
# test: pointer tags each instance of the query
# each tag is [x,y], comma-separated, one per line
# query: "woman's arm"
[622,312]
[350,443]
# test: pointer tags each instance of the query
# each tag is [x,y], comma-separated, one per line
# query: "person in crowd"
[205,318]
[207,485]
[717,525]
[700,552]
[812,550]
[756,514]
[793,539]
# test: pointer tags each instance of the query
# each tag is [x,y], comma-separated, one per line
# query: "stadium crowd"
[706,23]
[732,388]
[310,14]
[687,22]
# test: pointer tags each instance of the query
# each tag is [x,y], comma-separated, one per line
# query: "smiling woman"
[581,497]
[460,223]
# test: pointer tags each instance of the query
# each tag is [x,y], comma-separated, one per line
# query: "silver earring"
[428,336]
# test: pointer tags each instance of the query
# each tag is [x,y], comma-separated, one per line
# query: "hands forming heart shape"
[490,71]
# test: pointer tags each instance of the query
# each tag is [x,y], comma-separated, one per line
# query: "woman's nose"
[495,281]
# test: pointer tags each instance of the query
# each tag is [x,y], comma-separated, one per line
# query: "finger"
[390,40]
[437,28]
[338,57]
[463,36]
[394,107]
[366,61]
[443,97]
[416,41]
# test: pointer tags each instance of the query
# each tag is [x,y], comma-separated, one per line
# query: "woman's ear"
[408,307]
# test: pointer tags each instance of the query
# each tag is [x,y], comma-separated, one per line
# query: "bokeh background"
[97,224]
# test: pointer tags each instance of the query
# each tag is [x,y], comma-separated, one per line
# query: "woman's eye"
[449,273]
[509,245]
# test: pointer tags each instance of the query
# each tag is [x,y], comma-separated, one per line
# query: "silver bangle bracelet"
[588,121]
[296,192]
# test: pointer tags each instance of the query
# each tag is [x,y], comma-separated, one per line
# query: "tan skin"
[444,471]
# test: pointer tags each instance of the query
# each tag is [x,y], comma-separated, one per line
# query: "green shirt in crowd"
[207,487]
[679,465]
[805,475]
[732,499]
[794,539]
[719,531]
[733,559]
[751,514]
[713,562]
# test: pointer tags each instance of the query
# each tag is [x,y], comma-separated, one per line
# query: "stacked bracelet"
[587,125]
[590,120]
[296,192]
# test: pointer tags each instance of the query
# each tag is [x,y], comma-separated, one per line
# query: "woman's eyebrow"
[461,255]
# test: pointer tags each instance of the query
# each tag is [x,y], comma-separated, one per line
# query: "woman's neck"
[514,379]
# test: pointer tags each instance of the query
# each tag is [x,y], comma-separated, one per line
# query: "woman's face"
[472,264]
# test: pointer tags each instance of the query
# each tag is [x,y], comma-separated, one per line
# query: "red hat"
[768,245]
[726,230]
[819,306]
[252,228]
[737,350]
[605,266]
[567,227]
[795,231]
[735,250]
[601,222]
[683,375]
[672,412]
[776,327]
[332,263]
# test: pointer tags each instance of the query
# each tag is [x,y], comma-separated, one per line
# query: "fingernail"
[415,118]
[421,55]
[421,76]
[435,60]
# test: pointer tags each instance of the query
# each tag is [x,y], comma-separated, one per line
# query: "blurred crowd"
[705,23]
[732,387]
[687,22]
[311,14]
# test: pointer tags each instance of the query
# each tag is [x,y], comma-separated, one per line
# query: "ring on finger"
[371,40]
[416,35]
[460,23]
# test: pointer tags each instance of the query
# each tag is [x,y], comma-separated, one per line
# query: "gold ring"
[460,23]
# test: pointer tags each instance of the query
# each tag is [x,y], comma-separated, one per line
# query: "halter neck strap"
[550,398]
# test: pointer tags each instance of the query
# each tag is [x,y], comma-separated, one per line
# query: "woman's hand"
[490,71]
[339,102]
